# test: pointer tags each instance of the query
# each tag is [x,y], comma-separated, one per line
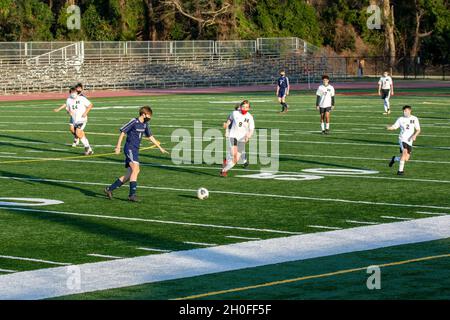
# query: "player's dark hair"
[407,107]
[79,85]
[244,102]
[72,89]
[325,77]
[145,110]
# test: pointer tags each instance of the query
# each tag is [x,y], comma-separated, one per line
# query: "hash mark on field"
[201,243]
[104,256]
[35,260]
[34,151]
[243,238]
[151,249]
[361,222]
[8,153]
[324,227]
[433,213]
[396,218]
[7,271]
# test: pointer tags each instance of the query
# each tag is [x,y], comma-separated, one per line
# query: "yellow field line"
[324,275]
[68,158]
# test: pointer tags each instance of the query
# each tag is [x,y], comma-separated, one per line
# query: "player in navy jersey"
[283,91]
[135,129]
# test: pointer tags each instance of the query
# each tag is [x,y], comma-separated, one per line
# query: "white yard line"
[32,259]
[149,220]
[243,238]
[362,222]
[8,270]
[104,256]
[201,243]
[396,218]
[152,249]
[324,227]
[434,213]
[52,282]
[249,194]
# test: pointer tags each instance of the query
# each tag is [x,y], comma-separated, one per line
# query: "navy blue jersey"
[283,82]
[135,130]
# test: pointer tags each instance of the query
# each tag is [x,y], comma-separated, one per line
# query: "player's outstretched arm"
[119,143]
[60,108]
[157,144]
[392,89]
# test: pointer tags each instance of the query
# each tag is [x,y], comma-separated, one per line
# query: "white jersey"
[241,125]
[78,107]
[408,126]
[325,93]
[385,83]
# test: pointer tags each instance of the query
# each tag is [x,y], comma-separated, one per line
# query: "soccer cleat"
[108,193]
[327,131]
[385,113]
[223,174]
[133,198]
[245,165]
[74,145]
[392,162]
[88,151]
[400,173]
[323,131]
[389,111]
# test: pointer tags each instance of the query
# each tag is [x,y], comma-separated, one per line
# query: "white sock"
[328,126]
[397,159]
[385,107]
[85,142]
[322,125]
[244,157]
[402,166]
[229,166]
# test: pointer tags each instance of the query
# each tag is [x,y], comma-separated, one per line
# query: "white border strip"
[53,282]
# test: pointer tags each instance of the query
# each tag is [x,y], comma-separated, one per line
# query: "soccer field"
[83,227]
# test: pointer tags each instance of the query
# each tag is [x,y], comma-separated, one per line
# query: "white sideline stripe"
[7,270]
[103,256]
[243,238]
[32,259]
[396,218]
[324,227]
[362,222]
[434,213]
[151,249]
[201,243]
[246,194]
[8,153]
[52,282]
[150,220]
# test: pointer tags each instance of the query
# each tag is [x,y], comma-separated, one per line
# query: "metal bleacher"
[54,66]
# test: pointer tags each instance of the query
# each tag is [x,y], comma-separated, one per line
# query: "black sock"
[282,106]
[133,188]
[115,185]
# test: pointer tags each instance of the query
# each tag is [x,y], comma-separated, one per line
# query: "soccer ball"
[202,194]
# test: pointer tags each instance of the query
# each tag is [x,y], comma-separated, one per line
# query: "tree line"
[410,28]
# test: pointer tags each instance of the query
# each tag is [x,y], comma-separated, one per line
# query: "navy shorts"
[131,155]
[324,110]
[281,93]
[385,93]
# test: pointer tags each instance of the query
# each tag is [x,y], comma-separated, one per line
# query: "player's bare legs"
[79,133]
[235,156]
[327,120]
